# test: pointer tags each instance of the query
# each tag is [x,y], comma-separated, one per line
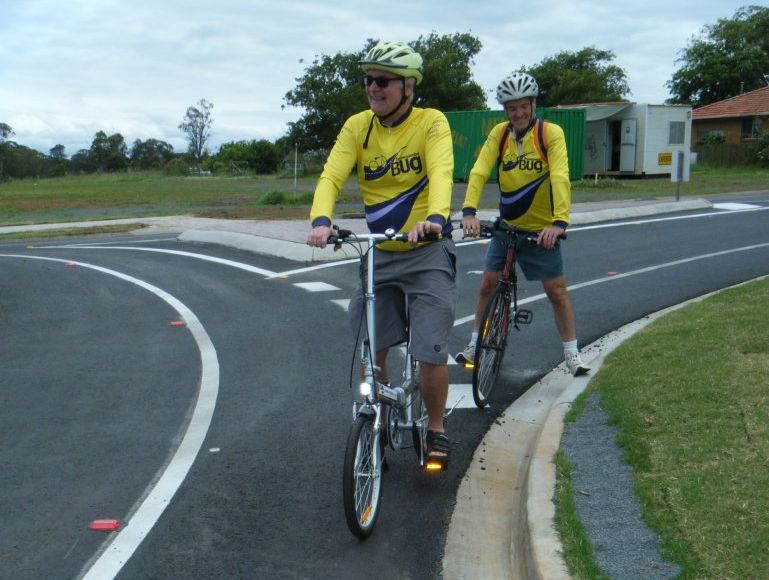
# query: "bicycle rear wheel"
[362,484]
[490,348]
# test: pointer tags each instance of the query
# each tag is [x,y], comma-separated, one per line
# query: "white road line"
[316,286]
[460,396]
[158,495]
[222,261]
[735,206]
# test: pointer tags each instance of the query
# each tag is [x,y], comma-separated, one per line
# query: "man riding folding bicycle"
[405,163]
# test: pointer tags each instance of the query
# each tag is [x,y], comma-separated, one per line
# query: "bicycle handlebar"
[488,229]
[342,236]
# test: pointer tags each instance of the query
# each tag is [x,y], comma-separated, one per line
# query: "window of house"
[676,133]
[751,127]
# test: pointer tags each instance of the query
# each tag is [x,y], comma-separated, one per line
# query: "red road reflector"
[177,323]
[612,273]
[104,525]
[71,264]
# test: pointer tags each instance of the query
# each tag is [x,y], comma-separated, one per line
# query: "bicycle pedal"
[524,316]
[434,466]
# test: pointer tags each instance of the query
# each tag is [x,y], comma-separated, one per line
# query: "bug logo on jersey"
[521,163]
[398,164]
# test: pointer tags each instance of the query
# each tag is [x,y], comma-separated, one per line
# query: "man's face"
[384,100]
[519,113]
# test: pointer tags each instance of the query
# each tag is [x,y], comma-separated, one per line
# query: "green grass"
[703,181]
[137,194]
[694,427]
[125,195]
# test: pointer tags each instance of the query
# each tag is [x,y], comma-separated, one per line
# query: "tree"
[108,152]
[57,153]
[448,84]
[18,161]
[151,154]
[5,131]
[585,76]
[728,58]
[260,156]
[197,125]
[331,90]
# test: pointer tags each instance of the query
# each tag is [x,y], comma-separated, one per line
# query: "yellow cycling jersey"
[405,172]
[534,186]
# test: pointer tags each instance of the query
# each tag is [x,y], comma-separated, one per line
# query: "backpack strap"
[503,142]
[541,138]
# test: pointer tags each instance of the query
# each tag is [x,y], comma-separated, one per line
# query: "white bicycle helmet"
[395,57]
[517,86]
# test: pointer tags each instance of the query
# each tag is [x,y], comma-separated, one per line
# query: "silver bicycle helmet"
[395,57]
[517,86]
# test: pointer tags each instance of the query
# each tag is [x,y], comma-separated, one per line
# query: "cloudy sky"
[70,69]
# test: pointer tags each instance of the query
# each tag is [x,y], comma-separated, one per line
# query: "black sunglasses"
[381,82]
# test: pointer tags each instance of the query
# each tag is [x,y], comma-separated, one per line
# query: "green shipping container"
[470,128]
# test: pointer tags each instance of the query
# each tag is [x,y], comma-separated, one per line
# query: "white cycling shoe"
[576,366]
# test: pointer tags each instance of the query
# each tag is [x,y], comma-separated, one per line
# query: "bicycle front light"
[365,389]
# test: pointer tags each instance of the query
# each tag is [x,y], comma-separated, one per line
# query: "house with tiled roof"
[738,120]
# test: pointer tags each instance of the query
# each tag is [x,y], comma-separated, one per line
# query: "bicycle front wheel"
[362,485]
[490,348]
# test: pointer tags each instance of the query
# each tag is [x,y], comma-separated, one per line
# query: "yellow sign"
[665,159]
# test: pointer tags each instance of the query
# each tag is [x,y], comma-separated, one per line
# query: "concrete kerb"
[286,239]
[270,246]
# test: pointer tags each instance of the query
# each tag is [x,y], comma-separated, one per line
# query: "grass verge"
[71,232]
[141,194]
[694,428]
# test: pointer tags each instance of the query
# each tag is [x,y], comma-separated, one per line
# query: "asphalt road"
[233,425]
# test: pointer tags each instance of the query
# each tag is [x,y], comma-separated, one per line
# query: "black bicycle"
[501,312]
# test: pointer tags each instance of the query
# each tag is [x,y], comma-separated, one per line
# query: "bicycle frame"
[374,391]
[399,409]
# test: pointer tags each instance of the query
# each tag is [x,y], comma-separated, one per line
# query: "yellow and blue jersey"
[405,172]
[534,186]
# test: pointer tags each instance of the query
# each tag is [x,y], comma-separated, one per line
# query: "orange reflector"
[366,514]
[105,525]
[469,365]
[433,466]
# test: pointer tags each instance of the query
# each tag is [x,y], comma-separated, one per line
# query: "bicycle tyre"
[362,483]
[490,348]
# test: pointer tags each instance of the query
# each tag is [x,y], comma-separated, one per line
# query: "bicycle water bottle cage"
[524,316]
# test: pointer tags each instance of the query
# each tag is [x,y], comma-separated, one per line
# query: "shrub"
[762,148]
[177,167]
[273,198]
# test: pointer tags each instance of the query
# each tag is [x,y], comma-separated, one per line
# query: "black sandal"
[437,451]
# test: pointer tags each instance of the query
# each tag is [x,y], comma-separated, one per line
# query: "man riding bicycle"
[404,161]
[535,196]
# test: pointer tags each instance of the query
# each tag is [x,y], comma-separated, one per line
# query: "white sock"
[473,338]
[570,347]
